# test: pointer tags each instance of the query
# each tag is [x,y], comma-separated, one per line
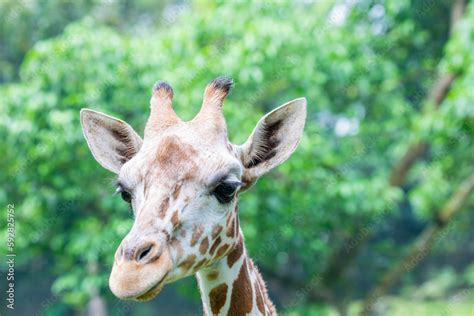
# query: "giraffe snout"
[142,252]
[140,269]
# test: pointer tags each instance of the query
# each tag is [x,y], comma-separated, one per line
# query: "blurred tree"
[22,24]
[25,22]
[365,68]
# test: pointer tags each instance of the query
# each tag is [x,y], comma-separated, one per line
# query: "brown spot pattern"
[200,264]
[188,262]
[170,150]
[197,232]
[214,246]
[216,231]
[173,159]
[204,245]
[235,254]
[230,229]
[217,298]
[164,207]
[222,250]
[211,276]
[176,190]
[241,299]
[175,219]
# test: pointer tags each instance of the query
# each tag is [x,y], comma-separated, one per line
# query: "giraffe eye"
[126,196]
[225,191]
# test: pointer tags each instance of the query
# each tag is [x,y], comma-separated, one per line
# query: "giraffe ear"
[273,140]
[111,141]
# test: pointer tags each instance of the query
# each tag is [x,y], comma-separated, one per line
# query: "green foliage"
[22,23]
[362,117]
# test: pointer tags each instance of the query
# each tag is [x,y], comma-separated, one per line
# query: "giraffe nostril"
[144,252]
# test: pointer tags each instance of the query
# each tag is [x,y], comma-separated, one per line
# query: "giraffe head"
[182,181]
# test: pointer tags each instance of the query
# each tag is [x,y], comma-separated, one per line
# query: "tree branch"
[422,245]
[436,96]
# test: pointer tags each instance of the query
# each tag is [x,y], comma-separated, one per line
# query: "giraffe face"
[182,181]
[184,201]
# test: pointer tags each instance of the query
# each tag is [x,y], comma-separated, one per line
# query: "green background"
[325,227]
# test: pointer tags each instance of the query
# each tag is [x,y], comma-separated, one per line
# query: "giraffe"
[182,181]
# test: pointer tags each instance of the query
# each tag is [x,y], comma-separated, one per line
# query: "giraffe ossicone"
[182,181]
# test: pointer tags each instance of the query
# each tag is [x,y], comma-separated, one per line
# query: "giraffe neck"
[233,286]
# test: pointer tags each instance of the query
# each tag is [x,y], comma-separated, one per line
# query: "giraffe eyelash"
[120,190]
[126,194]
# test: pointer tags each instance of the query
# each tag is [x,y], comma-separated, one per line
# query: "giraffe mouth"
[153,291]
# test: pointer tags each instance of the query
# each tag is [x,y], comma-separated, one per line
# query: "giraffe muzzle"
[140,272]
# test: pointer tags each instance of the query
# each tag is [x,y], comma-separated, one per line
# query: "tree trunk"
[96,305]
[422,245]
